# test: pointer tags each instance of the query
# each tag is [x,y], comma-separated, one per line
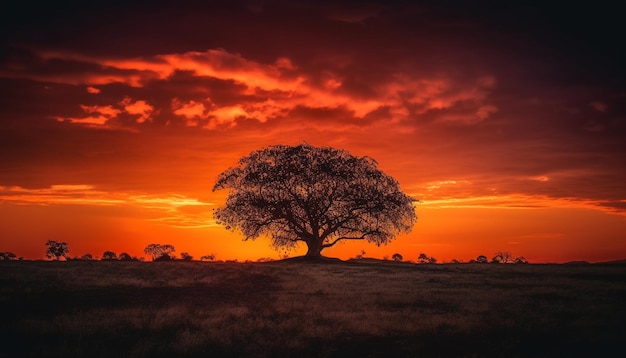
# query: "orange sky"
[512,136]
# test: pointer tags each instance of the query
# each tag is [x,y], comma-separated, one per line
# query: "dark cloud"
[495,94]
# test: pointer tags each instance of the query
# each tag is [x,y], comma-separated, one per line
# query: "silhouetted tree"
[126,257]
[425,259]
[87,257]
[185,256]
[7,255]
[482,259]
[315,195]
[360,256]
[158,251]
[209,257]
[396,257]
[163,257]
[56,249]
[455,261]
[520,260]
[503,257]
[109,255]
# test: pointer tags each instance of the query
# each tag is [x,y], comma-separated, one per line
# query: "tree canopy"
[315,195]
[159,252]
[56,249]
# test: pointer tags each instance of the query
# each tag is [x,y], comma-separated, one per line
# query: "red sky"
[508,123]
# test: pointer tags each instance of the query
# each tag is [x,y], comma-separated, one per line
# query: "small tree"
[482,259]
[425,259]
[56,250]
[360,256]
[164,257]
[210,257]
[318,196]
[503,257]
[185,256]
[7,255]
[396,257]
[109,255]
[158,251]
[126,257]
[87,257]
[520,260]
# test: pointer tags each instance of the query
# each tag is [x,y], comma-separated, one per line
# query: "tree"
[109,255]
[185,256]
[396,257]
[482,259]
[87,257]
[126,257]
[425,259]
[56,249]
[7,255]
[520,260]
[503,257]
[209,257]
[313,195]
[158,251]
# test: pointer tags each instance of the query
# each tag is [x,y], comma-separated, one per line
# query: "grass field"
[290,308]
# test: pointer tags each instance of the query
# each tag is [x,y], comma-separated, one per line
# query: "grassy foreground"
[106,309]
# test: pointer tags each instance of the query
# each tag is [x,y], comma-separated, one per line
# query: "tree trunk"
[314,249]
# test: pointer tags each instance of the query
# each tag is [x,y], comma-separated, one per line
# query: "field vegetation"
[293,308]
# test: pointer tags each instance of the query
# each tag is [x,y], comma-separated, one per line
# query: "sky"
[507,122]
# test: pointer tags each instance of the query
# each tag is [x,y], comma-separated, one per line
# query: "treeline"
[500,257]
[59,250]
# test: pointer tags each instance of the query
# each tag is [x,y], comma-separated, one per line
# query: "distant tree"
[158,251]
[126,257]
[455,261]
[482,259]
[318,196]
[185,256]
[520,260]
[396,257]
[164,257]
[264,259]
[109,255]
[87,257]
[360,256]
[210,257]
[425,259]
[56,249]
[503,257]
[7,256]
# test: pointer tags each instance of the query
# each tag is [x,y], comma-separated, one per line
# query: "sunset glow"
[511,136]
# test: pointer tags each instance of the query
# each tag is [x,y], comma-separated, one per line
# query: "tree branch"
[343,238]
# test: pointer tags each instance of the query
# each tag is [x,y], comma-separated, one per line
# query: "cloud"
[266,90]
[138,108]
[101,115]
[174,210]
[599,106]
[96,115]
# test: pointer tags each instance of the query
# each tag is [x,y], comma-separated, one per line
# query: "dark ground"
[292,308]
